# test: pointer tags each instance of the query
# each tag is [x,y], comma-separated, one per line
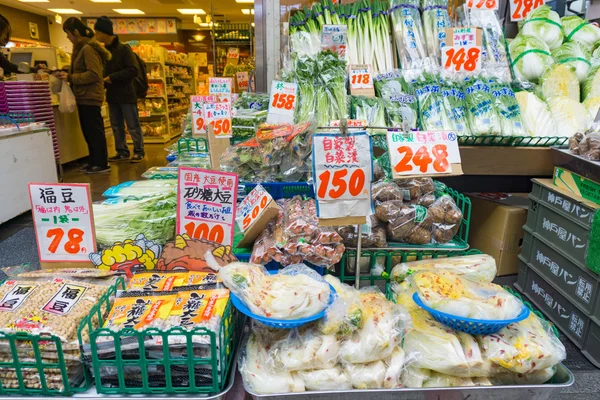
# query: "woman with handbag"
[87,83]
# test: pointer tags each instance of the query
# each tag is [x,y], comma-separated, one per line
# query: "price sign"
[219,86]
[241,79]
[233,53]
[206,204]
[343,170]
[468,36]
[62,216]
[282,103]
[461,59]
[519,9]
[334,38]
[361,82]
[483,4]
[352,123]
[219,116]
[198,120]
[423,152]
[252,207]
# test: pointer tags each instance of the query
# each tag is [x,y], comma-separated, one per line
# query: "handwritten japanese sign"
[198,120]
[241,79]
[62,216]
[483,4]
[343,171]
[466,36]
[219,116]
[282,103]
[219,86]
[423,152]
[233,53]
[352,123]
[361,82]
[252,207]
[334,38]
[206,203]
[519,9]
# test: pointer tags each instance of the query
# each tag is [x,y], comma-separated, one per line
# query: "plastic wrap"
[435,22]
[450,293]
[432,114]
[305,349]
[481,114]
[453,97]
[414,377]
[476,267]
[161,173]
[139,310]
[420,191]
[136,190]
[372,234]
[559,80]
[326,379]
[295,292]
[586,145]
[507,107]
[447,219]
[570,116]
[366,376]
[386,191]
[437,380]
[407,28]
[406,223]
[345,315]
[244,159]
[159,281]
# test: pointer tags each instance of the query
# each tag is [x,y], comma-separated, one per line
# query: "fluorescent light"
[244,1]
[191,11]
[130,11]
[34,1]
[247,11]
[64,11]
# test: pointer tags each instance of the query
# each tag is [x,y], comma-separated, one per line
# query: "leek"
[408,32]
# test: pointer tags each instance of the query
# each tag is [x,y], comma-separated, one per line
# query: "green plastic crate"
[524,141]
[218,358]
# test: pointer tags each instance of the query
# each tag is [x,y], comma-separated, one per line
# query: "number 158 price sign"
[342,170]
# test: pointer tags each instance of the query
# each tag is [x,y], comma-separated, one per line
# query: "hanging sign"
[282,102]
[343,171]
[219,86]
[464,55]
[206,204]
[334,38]
[62,217]
[424,153]
[198,120]
[219,116]
[483,4]
[361,81]
[520,9]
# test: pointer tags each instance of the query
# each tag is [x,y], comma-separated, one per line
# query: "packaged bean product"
[159,281]
[140,310]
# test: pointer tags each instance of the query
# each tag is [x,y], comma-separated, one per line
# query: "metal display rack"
[230,35]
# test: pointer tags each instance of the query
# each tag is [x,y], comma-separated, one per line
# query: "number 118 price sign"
[342,170]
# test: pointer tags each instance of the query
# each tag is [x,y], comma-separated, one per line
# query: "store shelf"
[180,109]
[154,79]
[155,97]
[494,160]
[177,64]
[153,116]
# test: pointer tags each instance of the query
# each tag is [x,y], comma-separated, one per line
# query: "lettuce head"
[580,31]
[544,24]
[574,55]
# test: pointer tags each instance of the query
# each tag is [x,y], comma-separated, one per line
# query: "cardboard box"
[577,184]
[497,221]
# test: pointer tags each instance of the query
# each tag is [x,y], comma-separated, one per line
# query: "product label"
[13,299]
[65,299]
[282,103]
[334,38]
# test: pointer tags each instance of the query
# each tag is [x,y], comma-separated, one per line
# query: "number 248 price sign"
[62,216]
[343,170]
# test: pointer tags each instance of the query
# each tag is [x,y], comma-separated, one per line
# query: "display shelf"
[155,97]
[177,64]
[524,141]
[176,110]
[496,160]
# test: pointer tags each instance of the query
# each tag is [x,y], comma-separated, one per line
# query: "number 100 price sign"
[343,171]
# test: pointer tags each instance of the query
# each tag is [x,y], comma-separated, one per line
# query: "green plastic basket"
[217,360]
[524,141]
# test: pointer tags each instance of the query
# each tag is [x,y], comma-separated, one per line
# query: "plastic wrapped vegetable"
[476,267]
[507,107]
[530,57]
[326,379]
[137,190]
[373,234]
[389,83]
[494,48]
[401,111]
[569,115]
[446,217]
[450,293]
[536,115]
[483,119]
[560,80]
[591,86]
[295,292]
[345,315]
[437,380]
[524,347]
[574,55]
[305,71]
[580,31]
[244,159]
[435,22]
[454,103]
[419,191]
[305,349]
[252,101]
[370,109]
[544,23]
[331,94]
[407,28]
[428,91]
[406,223]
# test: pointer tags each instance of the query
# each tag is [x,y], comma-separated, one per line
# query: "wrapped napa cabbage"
[507,107]
[580,31]
[593,105]
[574,55]
[305,349]
[295,292]
[524,347]
[569,115]
[366,376]
[413,377]
[326,379]
[395,366]
[344,316]
[536,115]
[443,380]
[482,117]
[530,57]
[560,80]
[476,267]
[591,86]
[450,293]
[261,379]
[544,24]
[384,324]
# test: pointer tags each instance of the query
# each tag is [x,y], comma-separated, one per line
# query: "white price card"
[233,52]
[352,123]
[63,221]
[282,103]
[218,115]
[343,171]
[251,208]
[361,80]
[465,36]
[462,58]
[219,86]
[520,9]
[206,203]
[334,38]
[422,152]
[241,79]
[198,120]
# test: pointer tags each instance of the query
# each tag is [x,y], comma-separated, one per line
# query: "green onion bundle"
[435,22]
[407,28]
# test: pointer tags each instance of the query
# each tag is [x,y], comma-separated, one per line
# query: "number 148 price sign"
[342,170]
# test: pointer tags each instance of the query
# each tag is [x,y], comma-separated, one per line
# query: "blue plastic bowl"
[470,325]
[281,323]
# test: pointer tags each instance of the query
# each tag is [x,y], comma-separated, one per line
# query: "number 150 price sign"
[343,170]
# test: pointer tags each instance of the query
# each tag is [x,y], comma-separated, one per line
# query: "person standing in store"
[121,97]
[86,79]
[7,66]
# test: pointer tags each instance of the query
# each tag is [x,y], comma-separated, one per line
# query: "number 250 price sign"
[343,170]
[423,153]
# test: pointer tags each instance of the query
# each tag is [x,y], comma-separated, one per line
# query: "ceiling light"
[64,11]
[58,19]
[247,11]
[34,1]
[244,1]
[252,24]
[198,38]
[190,11]
[105,1]
[130,11]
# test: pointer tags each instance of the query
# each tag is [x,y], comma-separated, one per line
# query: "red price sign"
[465,59]
[341,182]
[221,127]
[69,240]
[256,210]
[483,4]
[421,160]
[519,9]
[282,103]
[361,80]
[202,230]
[218,115]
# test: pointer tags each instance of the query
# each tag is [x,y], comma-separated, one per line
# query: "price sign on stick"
[343,171]
[282,103]
[483,4]
[519,9]
[219,86]
[219,116]
[198,120]
[254,213]
[424,153]
[233,53]
[206,203]
[62,216]
[361,80]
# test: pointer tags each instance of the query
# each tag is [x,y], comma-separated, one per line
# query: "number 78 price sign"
[343,171]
